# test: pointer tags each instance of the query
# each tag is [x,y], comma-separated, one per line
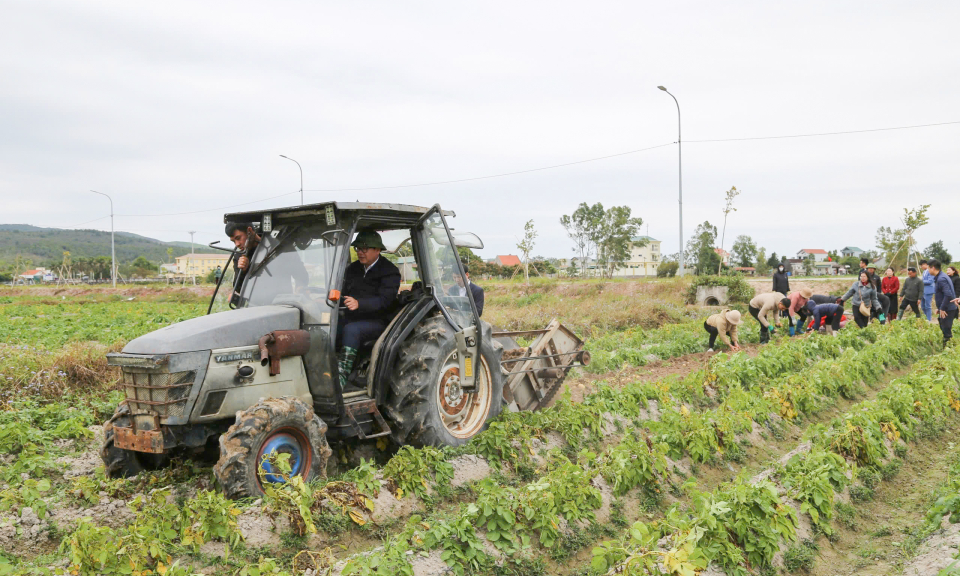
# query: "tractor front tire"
[284,425]
[425,404]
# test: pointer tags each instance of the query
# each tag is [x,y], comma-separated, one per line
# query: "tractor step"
[354,409]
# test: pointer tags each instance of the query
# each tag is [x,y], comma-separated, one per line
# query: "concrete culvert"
[712,295]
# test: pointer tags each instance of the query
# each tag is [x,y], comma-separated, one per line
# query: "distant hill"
[47,245]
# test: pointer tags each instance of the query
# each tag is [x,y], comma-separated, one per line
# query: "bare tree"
[525,246]
[727,209]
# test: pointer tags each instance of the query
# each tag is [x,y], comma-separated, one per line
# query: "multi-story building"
[644,260]
[818,254]
[200,264]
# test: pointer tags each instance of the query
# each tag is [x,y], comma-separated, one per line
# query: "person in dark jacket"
[781,282]
[823,299]
[943,293]
[459,290]
[911,294]
[370,287]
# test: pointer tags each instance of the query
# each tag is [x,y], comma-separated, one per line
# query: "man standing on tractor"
[459,290]
[285,274]
[370,287]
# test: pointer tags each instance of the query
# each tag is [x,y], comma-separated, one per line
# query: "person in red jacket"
[890,285]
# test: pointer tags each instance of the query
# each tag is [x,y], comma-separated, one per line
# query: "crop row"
[744,523]
[513,516]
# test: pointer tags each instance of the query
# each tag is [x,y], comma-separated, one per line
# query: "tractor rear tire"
[120,463]
[425,405]
[274,424]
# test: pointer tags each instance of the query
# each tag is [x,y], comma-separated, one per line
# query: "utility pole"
[191,233]
[680,163]
[113,251]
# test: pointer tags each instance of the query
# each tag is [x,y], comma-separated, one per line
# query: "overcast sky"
[185,106]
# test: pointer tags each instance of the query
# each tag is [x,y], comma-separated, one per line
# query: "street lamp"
[301,176]
[113,252]
[680,161]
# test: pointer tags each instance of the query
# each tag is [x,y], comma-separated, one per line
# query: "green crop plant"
[209,516]
[410,470]
[635,462]
[390,560]
[812,480]
[461,547]
[28,494]
[364,478]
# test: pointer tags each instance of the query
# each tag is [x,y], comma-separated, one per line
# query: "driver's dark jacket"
[375,292]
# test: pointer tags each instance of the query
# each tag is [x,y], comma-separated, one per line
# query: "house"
[724,256]
[508,260]
[408,269]
[794,266]
[828,269]
[817,254]
[35,275]
[851,251]
[200,264]
[644,258]
[746,270]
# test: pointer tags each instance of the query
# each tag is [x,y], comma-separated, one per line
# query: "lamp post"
[680,162]
[301,176]
[113,252]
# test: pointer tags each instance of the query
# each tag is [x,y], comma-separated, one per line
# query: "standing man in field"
[928,289]
[460,290]
[911,295]
[943,291]
[762,306]
[724,324]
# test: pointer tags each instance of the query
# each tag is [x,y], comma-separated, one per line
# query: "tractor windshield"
[443,273]
[294,260]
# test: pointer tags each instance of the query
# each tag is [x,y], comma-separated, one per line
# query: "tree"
[936,250]
[668,269]
[614,237]
[744,251]
[582,227]
[761,263]
[525,247]
[700,248]
[897,244]
[170,254]
[808,263]
[727,209]
[773,261]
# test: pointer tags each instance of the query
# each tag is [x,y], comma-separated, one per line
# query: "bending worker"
[370,287]
[723,324]
[798,306]
[764,305]
[831,313]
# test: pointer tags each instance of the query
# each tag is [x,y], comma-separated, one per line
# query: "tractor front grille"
[161,393]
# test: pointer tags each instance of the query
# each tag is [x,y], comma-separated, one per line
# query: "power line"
[487,177]
[87,222]
[516,172]
[824,133]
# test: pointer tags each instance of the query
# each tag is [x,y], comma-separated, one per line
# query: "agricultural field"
[816,455]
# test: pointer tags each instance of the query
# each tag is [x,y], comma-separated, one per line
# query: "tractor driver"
[370,287]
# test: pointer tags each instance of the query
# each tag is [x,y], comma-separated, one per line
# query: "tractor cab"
[300,261]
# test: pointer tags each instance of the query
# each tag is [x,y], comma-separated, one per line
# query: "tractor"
[259,374]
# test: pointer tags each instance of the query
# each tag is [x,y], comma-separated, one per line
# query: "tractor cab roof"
[380,215]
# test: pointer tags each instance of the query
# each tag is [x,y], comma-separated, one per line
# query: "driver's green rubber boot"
[345,364]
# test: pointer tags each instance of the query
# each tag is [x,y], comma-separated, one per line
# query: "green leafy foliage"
[410,470]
